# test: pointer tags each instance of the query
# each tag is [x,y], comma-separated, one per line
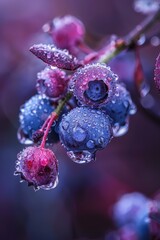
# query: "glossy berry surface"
[52,82]
[38,166]
[121,106]
[131,212]
[94,84]
[33,115]
[66,32]
[83,131]
[55,57]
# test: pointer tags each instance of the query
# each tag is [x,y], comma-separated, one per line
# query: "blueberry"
[83,131]
[93,85]
[33,115]
[121,106]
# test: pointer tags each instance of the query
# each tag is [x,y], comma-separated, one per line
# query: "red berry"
[38,166]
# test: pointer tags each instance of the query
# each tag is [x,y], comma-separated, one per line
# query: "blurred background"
[80,207]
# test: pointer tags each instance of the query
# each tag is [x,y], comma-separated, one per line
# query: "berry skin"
[120,107]
[67,32]
[131,212]
[52,82]
[93,85]
[55,57]
[33,114]
[83,131]
[39,167]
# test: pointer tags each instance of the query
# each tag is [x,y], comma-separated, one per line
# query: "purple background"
[80,206]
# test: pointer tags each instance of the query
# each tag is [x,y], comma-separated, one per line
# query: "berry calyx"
[94,84]
[38,166]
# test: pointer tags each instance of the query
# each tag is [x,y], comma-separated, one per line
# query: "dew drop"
[81,157]
[119,131]
[23,139]
[79,134]
[65,125]
[90,144]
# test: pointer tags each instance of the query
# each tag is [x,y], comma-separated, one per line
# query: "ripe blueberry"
[83,131]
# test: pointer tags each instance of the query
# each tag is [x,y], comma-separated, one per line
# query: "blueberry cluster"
[79,102]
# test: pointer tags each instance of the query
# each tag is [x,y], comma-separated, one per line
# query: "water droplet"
[119,131]
[51,185]
[65,125]
[23,139]
[81,157]
[90,144]
[79,134]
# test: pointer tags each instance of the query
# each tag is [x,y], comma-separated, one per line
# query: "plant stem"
[53,117]
[113,49]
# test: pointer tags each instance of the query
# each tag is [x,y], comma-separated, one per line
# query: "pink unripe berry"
[66,31]
[52,82]
[38,166]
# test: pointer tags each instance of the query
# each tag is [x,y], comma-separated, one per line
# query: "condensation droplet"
[23,139]
[81,157]
[119,130]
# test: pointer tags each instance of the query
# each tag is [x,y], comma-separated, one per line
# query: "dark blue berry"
[83,131]
[33,115]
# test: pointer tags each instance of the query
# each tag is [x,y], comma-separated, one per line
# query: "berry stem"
[130,41]
[53,117]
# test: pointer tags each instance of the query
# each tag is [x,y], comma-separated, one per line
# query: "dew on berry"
[23,138]
[33,115]
[119,110]
[53,56]
[38,166]
[81,157]
[52,82]
[93,85]
[83,131]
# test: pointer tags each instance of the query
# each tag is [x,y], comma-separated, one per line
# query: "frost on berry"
[32,116]
[146,6]
[53,56]
[52,82]
[119,109]
[38,166]
[83,131]
[157,72]
[94,84]
[66,32]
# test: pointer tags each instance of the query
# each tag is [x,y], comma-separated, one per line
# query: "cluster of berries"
[79,102]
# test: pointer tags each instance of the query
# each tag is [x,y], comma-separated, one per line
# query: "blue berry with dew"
[119,109]
[38,166]
[83,131]
[132,212]
[94,84]
[32,116]
[52,82]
